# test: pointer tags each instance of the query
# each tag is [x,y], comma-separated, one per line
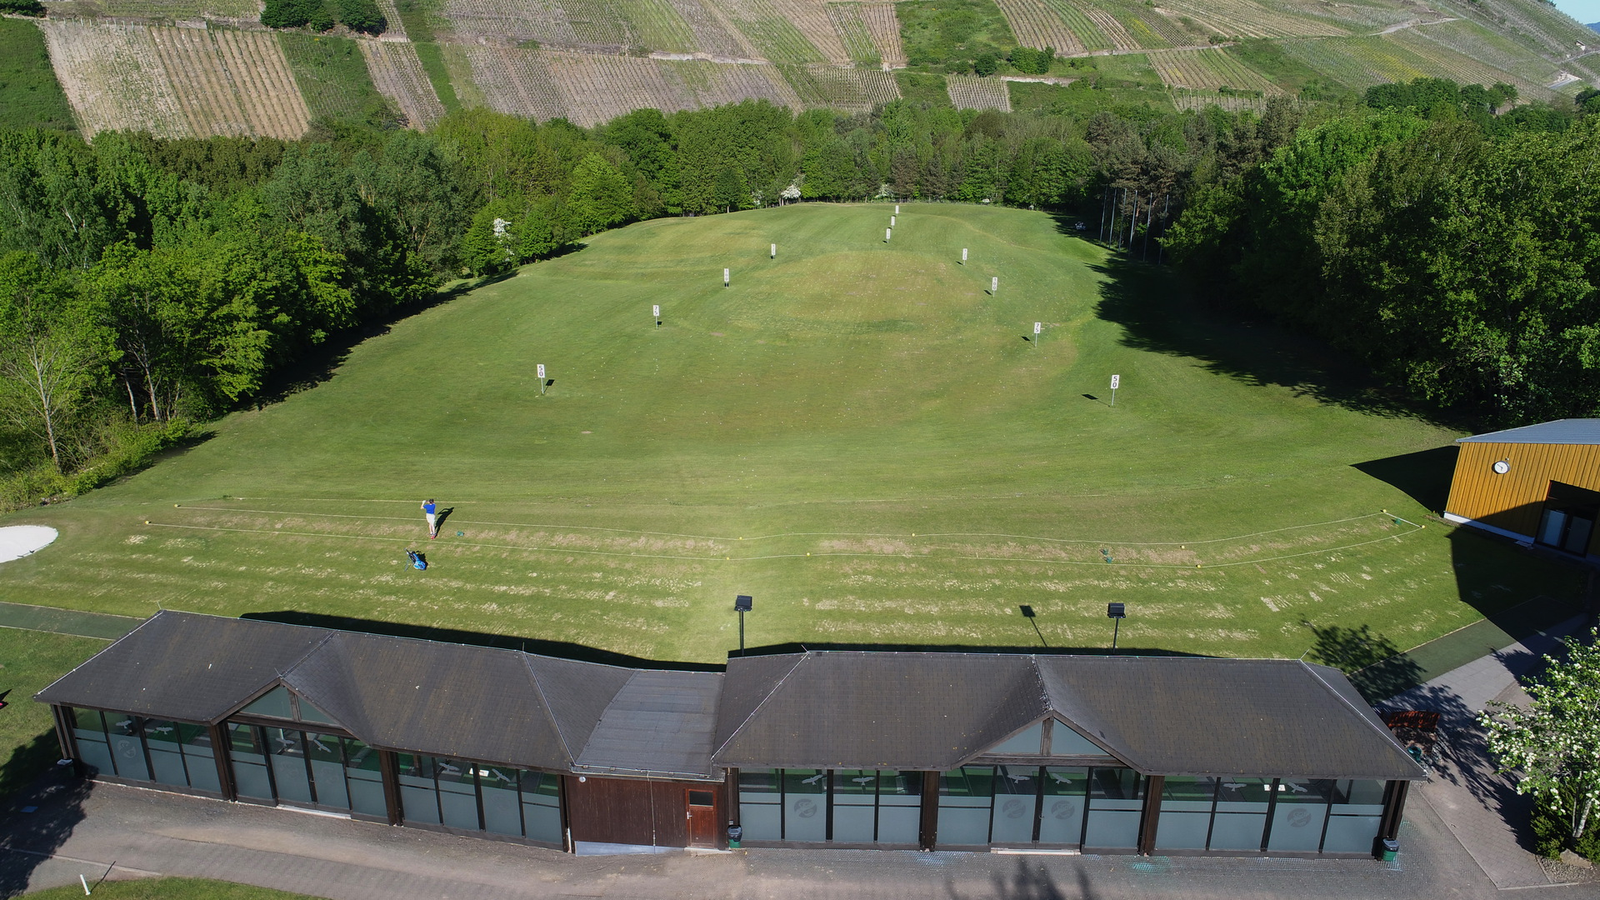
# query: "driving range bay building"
[1539,484]
[857,749]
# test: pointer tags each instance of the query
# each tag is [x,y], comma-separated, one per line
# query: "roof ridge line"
[757,708]
[544,702]
[1378,728]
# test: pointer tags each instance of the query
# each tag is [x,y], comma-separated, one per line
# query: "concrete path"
[1483,810]
[66,621]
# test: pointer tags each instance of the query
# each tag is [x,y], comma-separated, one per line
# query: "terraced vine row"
[239,11]
[1476,42]
[1244,18]
[973,92]
[1462,68]
[713,32]
[597,23]
[398,74]
[1037,26]
[1208,70]
[175,82]
[1198,100]
[1083,29]
[659,26]
[852,90]
[793,34]
[516,20]
[1108,25]
[885,29]
[852,28]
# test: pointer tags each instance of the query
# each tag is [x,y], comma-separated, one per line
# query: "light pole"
[743,604]
[1115,612]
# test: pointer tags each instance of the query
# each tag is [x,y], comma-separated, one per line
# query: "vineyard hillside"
[209,67]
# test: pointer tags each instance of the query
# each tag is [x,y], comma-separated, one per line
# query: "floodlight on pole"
[1116,612]
[742,604]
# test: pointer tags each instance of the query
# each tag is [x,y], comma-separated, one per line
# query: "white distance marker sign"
[541,370]
[655,311]
[1037,327]
[1116,382]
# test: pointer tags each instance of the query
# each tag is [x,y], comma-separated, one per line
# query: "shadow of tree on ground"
[37,820]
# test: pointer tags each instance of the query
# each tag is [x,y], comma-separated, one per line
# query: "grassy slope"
[857,433]
[30,97]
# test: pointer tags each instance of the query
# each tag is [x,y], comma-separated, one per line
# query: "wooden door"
[701,804]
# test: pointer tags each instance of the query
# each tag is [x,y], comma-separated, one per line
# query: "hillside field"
[858,433]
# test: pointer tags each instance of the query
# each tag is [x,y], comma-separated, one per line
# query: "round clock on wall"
[1501,467]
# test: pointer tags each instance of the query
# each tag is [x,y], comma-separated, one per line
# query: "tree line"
[1455,252]
[148,283]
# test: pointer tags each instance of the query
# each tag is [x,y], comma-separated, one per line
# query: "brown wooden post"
[1151,818]
[389,774]
[928,827]
[730,793]
[1394,806]
[64,735]
[222,755]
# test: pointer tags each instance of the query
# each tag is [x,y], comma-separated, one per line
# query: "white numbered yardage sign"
[655,311]
[1116,382]
[541,370]
[1037,326]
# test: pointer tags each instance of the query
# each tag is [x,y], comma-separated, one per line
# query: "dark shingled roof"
[834,709]
[1161,715]
[870,710]
[660,723]
[186,666]
[1561,431]
[396,693]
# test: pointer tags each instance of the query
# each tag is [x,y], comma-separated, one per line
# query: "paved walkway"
[79,830]
[66,621]
[1483,810]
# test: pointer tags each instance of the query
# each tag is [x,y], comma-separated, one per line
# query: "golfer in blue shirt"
[429,510]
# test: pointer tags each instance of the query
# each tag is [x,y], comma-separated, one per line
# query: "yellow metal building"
[1538,483]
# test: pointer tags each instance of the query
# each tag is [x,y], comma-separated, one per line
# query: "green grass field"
[333,77]
[29,660]
[857,433]
[30,96]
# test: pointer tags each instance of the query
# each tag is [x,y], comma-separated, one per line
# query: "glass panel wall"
[288,760]
[1241,820]
[867,806]
[327,772]
[899,806]
[1015,804]
[760,804]
[1299,815]
[966,800]
[362,776]
[805,805]
[472,796]
[94,745]
[855,806]
[1116,801]
[1186,807]
[249,755]
[1061,815]
[1353,817]
[1028,742]
[140,749]
[541,806]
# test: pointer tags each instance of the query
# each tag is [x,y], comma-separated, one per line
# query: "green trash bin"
[1387,850]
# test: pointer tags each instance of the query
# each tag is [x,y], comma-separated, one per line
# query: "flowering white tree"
[1552,746]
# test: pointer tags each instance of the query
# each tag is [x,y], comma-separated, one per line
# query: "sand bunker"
[17,541]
